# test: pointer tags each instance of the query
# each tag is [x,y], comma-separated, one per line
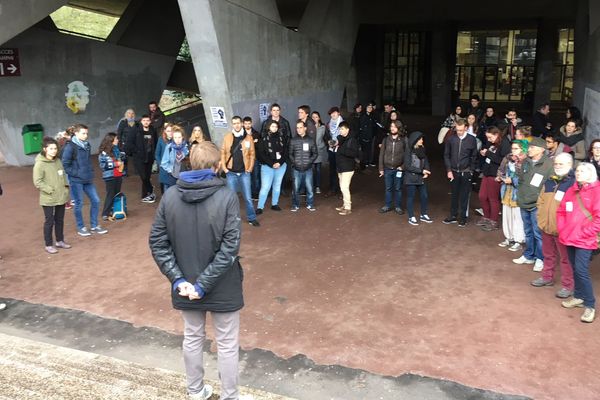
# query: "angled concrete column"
[582,32]
[264,8]
[332,22]
[17,16]
[443,59]
[545,57]
[208,63]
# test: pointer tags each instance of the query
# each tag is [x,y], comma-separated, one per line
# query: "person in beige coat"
[50,179]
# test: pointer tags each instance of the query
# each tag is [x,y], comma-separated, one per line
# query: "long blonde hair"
[201,138]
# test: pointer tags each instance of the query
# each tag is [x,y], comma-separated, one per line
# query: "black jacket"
[196,236]
[139,147]
[268,147]
[367,127]
[157,120]
[495,157]
[284,128]
[302,152]
[413,165]
[538,125]
[346,152]
[461,155]
[126,133]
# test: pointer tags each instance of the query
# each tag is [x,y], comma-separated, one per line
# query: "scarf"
[238,134]
[130,121]
[180,151]
[81,143]
[198,175]
[420,152]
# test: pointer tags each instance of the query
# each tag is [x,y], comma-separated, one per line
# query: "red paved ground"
[367,291]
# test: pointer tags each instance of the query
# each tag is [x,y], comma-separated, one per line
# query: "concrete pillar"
[588,78]
[545,57]
[264,8]
[582,32]
[208,64]
[443,59]
[17,16]
[332,22]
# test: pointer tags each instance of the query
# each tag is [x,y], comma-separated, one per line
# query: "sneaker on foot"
[99,230]
[588,315]
[462,223]
[515,247]
[62,245]
[483,221]
[572,303]
[564,293]
[83,232]
[51,250]
[68,205]
[479,211]
[425,218]
[276,208]
[383,210]
[254,223]
[311,208]
[450,220]
[2,306]
[538,266]
[504,243]
[339,208]
[294,209]
[105,218]
[258,211]
[523,260]
[399,211]
[318,190]
[205,394]
[539,282]
[413,221]
[345,211]
[151,198]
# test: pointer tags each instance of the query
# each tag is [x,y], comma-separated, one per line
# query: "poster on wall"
[263,111]
[591,116]
[78,97]
[218,117]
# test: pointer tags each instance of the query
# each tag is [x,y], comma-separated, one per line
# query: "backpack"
[119,206]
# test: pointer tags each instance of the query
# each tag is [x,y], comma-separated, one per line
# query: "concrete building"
[423,56]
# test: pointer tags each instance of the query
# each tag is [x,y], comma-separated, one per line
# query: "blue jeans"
[240,182]
[317,174]
[393,186]
[270,178]
[77,190]
[410,199]
[256,178]
[533,235]
[580,260]
[301,177]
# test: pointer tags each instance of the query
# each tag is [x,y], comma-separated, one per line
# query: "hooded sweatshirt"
[51,180]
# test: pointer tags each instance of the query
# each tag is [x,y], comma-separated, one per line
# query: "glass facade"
[562,88]
[404,67]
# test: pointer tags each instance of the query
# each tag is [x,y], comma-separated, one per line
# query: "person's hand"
[450,176]
[508,181]
[380,145]
[380,174]
[514,122]
[185,289]
[225,170]
[194,295]
[276,165]
[426,172]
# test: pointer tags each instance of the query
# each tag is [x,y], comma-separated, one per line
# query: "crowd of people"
[536,182]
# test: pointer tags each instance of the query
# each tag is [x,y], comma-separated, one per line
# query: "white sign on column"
[218,117]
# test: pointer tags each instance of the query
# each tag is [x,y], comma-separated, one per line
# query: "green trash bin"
[32,138]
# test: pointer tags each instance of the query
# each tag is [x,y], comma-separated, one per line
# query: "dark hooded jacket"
[413,165]
[196,236]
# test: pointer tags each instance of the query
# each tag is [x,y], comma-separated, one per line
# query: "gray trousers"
[227,329]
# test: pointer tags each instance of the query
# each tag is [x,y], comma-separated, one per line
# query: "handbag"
[587,214]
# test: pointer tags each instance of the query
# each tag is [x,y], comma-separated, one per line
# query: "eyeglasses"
[596,148]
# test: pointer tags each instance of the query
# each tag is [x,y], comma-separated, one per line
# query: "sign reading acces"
[9,62]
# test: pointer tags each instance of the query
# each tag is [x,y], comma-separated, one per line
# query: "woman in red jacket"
[578,219]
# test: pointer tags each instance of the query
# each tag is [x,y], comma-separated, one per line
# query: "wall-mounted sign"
[9,62]
[263,111]
[218,117]
[78,97]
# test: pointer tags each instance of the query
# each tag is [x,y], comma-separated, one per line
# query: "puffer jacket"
[50,178]
[530,188]
[574,228]
[413,165]
[391,155]
[549,200]
[76,160]
[302,152]
[196,236]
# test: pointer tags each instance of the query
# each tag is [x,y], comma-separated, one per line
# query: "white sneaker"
[205,394]
[2,306]
[523,260]
[413,221]
[538,266]
[479,211]
[515,247]
[504,243]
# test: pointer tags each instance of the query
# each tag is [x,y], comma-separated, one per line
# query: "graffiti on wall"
[78,97]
